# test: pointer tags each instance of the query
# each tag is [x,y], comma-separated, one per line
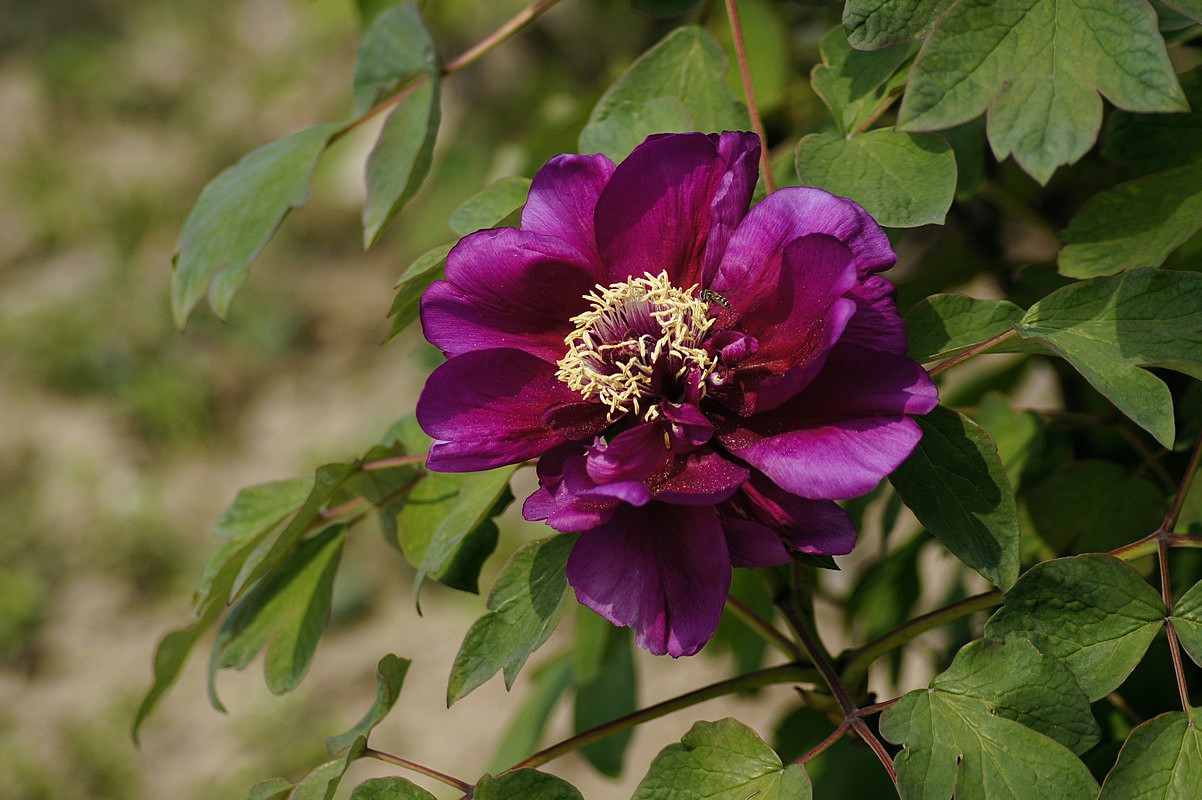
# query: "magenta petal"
[673,203]
[857,382]
[876,323]
[699,478]
[754,545]
[563,198]
[632,455]
[508,288]
[484,409]
[661,570]
[818,527]
[754,254]
[836,461]
[688,428]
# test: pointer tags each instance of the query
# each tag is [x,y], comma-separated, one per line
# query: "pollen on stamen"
[632,327]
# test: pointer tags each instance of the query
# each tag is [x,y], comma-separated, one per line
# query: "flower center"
[640,342]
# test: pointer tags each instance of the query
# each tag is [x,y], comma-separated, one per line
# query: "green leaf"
[547,685]
[169,659]
[235,216]
[491,205]
[285,613]
[429,267]
[1190,8]
[946,325]
[446,526]
[955,484]
[255,512]
[1016,433]
[885,593]
[524,607]
[391,788]
[401,157]
[745,645]
[395,49]
[1038,67]
[853,83]
[1109,328]
[390,676]
[1135,224]
[968,732]
[272,550]
[1161,759]
[1094,505]
[527,784]
[612,693]
[687,67]
[723,760]
[902,179]
[873,24]
[320,784]
[1187,622]
[1093,612]
[1155,142]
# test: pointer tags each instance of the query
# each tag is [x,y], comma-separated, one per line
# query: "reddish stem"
[736,33]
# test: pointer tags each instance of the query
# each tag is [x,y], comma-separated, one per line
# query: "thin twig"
[764,628]
[858,660]
[389,463]
[736,33]
[819,748]
[442,777]
[515,24]
[787,673]
[1166,591]
[967,354]
[1191,469]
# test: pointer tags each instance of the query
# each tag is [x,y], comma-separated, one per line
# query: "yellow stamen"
[631,327]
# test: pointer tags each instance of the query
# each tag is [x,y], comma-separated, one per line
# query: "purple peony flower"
[699,382]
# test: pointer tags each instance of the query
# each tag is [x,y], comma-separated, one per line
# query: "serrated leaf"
[427,268]
[1135,224]
[1161,760]
[1109,328]
[490,206]
[446,529]
[1039,67]
[1094,505]
[961,734]
[395,49]
[902,179]
[955,484]
[524,607]
[1155,142]
[873,24]
[686,66]
[852,82]
[547,685]
[236,215]
[285,614]
[527,784]
[946,325]
[612,693]
[1187,621]
[391,788]
[401,157]
[1093,612]
[390,676]
[723,760]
